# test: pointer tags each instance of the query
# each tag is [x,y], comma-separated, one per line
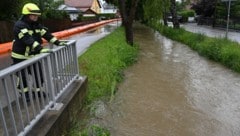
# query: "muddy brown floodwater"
[172,91]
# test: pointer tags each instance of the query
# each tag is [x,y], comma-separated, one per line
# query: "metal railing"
[30,88]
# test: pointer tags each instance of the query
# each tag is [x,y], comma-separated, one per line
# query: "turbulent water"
[172,91]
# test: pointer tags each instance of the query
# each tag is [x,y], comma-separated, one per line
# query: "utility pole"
[229,7]
[228,15]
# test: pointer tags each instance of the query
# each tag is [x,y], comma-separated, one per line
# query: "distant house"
[107,8]
[92,7]
[191,2]
[72,11]
[88,7]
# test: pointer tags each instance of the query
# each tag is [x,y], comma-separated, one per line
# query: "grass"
[106,59]
[94,130]
[221,50]
[103,64]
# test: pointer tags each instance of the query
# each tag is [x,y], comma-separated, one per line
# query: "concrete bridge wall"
[57,122]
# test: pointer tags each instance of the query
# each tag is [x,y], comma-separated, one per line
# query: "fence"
[234,24]
[30,88]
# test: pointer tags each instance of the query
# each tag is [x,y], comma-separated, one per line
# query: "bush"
[55,14]
[106,16]
[186,13]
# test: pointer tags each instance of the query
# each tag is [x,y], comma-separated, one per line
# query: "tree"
[127,11]
[173,11]
[235,13]
[139,16]
[205,8]
[10,9]
[221,14]
[166,5]
[153,10]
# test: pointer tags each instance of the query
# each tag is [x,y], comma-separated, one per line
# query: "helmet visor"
[35,12]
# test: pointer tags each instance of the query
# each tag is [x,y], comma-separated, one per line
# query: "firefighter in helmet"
[28,34]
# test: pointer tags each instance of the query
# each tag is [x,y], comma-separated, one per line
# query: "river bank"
[170,90]
[103,63]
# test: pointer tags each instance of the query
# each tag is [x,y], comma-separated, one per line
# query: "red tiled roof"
[79,3]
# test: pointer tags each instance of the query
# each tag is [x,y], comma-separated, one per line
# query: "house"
[107,8]
[92,7]
[72,11]
[88,7]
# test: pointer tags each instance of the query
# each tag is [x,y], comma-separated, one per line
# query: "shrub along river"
[172,91]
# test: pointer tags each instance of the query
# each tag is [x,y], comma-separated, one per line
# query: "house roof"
[65,7]
[79,3]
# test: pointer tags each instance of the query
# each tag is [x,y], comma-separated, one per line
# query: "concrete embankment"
[57,122]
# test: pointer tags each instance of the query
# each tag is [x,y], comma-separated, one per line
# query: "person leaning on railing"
[28,34]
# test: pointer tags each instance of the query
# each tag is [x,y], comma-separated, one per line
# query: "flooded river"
[172,91]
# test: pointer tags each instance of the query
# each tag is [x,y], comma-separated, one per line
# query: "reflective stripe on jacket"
[28,38]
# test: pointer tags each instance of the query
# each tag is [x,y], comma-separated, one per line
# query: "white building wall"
[106,11]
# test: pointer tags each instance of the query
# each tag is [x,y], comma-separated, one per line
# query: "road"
[83,41]
[211,32]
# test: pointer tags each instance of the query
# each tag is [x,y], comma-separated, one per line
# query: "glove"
[46,50]
[62,43]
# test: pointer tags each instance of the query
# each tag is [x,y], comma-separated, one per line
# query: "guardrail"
[47,77]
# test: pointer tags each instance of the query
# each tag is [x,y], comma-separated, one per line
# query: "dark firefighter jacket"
[28,38]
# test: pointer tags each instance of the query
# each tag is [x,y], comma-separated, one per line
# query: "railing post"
[10,109]
[49,84]
[55,71]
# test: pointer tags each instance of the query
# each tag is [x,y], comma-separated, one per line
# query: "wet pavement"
[212,32]
[83,41]
[172,91]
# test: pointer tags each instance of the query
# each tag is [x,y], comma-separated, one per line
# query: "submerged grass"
[94,130]
[221,50]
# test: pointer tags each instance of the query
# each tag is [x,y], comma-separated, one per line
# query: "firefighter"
[28,34]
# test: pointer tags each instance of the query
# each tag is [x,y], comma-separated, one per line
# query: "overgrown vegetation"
[218,49]
[55,14]
[186,13]
[94,130]
[49,9]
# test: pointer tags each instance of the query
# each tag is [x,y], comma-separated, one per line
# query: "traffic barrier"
[7,47]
